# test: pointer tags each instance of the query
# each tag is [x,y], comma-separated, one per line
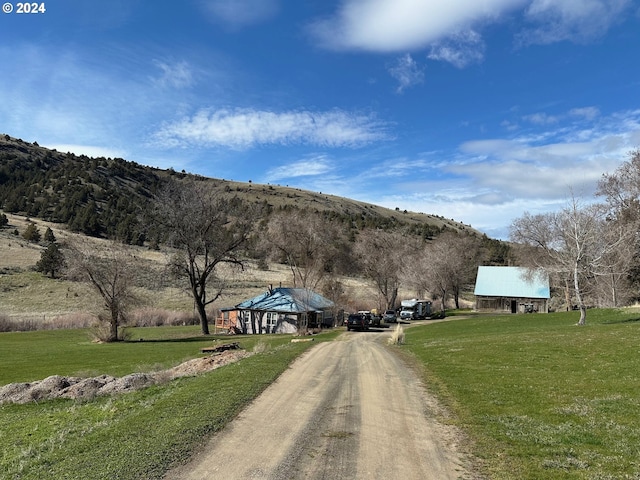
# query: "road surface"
[347,409]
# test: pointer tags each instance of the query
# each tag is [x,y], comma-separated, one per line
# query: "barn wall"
[509,304]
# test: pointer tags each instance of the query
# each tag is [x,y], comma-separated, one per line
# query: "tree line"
[206,230]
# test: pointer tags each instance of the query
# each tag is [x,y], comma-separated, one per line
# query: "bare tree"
[621,191]
[307,243]
[207,230]
[574,242]
[445,266]
[111,271]
[380,257]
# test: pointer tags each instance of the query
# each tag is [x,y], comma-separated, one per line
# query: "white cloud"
[245,128]
[587,113]
[407,72]
[460,49]
[527,168]
[176,75]
[318,165]
[449,30]
[241,13]
[89,150]
[541,119]
[395,25]
[488,183]
[575,20]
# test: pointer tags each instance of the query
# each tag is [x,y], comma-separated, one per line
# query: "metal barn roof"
[287,300]
[510,282]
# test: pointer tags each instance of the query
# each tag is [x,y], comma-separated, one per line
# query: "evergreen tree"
[51,260]
[32,234]
[49,237]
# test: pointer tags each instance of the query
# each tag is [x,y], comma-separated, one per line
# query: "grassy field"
[540,397]
[131,436]
[29,356]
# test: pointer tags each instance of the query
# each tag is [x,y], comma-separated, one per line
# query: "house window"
[272,319]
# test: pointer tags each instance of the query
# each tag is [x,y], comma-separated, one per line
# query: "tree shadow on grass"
[197,339]
[626,320]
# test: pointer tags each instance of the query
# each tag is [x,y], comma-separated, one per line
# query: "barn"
[279,310]
[511,290]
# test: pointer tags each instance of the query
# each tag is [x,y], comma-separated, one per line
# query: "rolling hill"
[110,197]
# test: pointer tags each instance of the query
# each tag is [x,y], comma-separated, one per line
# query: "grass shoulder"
[140,434]
[539,396]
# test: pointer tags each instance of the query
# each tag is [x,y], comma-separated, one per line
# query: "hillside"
[107,197]
[103,198]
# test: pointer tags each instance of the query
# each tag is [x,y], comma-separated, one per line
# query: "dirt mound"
[78,388]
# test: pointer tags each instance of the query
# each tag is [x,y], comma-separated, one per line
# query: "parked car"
[389,316]
[358,321]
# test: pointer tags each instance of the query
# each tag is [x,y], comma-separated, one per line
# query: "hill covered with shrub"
[112,197]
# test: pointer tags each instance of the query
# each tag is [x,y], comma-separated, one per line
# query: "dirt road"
[347,409]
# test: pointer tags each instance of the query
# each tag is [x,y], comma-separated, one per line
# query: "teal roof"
[511,282]
[287,300]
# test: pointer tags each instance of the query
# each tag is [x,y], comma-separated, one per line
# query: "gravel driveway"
[347,409]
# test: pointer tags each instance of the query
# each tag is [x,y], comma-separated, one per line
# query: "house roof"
[511,282]
[287,300]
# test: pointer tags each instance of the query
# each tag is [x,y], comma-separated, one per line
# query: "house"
[279,310]
[511,290]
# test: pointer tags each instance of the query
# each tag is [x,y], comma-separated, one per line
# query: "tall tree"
[51,260]
[381,258]
[308,243]
[445,266]
[207,230]
[574,242]
[621,191]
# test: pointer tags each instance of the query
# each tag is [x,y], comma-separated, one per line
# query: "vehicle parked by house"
[372,316]
[415,309]
[358,321]
[389,316]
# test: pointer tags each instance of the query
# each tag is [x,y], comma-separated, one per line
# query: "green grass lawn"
[131,436]
[540,397]
[28,356]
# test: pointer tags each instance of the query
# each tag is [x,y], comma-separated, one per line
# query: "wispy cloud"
[541,118]
[569,157]
[407,72]
[587,113]
[89,150]
[246,128]
[175,75]
[460,49]
[489,182]
[579,21]
[240,13]
[309,167]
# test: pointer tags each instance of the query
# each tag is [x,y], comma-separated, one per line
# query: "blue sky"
[473,110]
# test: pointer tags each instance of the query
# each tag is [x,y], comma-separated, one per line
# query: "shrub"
[157,317]
[397,337]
